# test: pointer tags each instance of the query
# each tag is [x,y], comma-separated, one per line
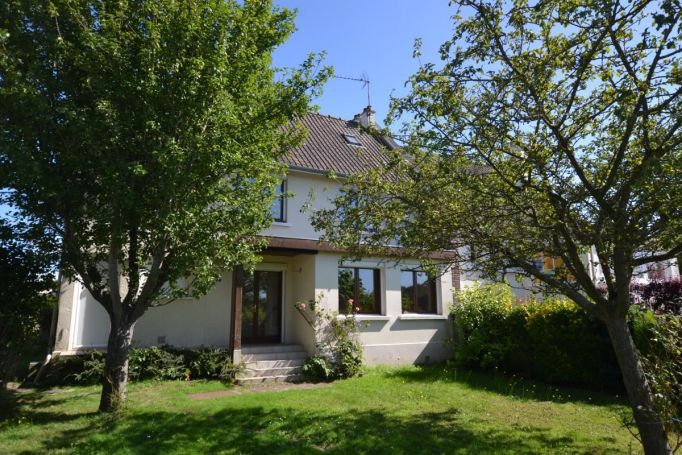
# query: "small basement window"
[352,139]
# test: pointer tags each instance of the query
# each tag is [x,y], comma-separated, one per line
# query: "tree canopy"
[27,268]
[145,135]
[550,128]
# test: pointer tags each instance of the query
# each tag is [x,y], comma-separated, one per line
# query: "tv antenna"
[365,83]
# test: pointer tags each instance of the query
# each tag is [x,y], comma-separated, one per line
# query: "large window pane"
[424,295]
[279,204]
[366,291]
[361,286]
[346,289]
[407,290]
[418,292]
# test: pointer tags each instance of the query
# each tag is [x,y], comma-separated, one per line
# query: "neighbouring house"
[405,313]
[526,287]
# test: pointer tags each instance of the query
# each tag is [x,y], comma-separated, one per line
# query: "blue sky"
[370,37]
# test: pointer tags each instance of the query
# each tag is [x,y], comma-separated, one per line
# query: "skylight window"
[352,139]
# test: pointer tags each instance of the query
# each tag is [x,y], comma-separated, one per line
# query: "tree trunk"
[115,375]
[651,431]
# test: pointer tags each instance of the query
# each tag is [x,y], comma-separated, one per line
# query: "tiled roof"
[326,149]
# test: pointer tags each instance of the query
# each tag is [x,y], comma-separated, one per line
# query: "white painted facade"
[390,337]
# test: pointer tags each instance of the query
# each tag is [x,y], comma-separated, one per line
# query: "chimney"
[366,117]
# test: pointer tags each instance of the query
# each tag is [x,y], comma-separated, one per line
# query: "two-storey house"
[404,312]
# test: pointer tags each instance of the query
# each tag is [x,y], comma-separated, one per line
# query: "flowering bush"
[339,351]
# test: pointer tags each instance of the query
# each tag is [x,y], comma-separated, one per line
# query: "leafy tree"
[144,134]
[550,128]
[26,294]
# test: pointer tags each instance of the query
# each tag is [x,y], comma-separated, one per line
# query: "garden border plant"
[149,363]
[338,351]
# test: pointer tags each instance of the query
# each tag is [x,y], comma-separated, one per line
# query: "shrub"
[152,363]
[26,299]
[155,363]
[553,341]
[659,339]
[84,368]
[483,319]
[318,368]
[346,348]
[566,345]
[89,368]
[210,363]
[339,351]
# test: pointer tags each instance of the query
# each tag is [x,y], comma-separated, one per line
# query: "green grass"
[407,410]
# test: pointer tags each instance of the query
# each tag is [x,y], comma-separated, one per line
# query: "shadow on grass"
[508,385]
[260,431]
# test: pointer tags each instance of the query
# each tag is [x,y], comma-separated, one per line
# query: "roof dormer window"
[352,140]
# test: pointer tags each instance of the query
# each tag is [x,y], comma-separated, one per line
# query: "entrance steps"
[272,363]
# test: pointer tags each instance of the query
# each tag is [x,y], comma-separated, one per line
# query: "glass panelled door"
[262,307]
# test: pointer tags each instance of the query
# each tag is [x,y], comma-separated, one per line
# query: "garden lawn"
[435,409]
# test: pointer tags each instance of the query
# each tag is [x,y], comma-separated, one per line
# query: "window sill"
[421,317]
[366,317]
[281,223]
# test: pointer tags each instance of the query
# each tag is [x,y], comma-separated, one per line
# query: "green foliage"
[481,317]
[80,369]
[26,298]
[210,363]
[146,136]
[549,128]
[659,339]
[347,348]
[643,323]
[569,346]
[152,363]
[155,363]
[318,368]
[339,351]
[553,340]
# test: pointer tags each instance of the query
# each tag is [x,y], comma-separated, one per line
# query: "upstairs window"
[418,292]
[278,209]
[352,140]
[360,288]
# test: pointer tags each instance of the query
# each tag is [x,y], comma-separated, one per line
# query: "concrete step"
[265,379]
[274,356]
[268,348]
[270,372]
[280,363]
[272,363]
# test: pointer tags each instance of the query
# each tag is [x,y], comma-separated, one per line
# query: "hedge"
[554,341]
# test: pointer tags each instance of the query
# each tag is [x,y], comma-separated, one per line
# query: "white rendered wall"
[189,322]
[301,186]
[392,338]
[186,322]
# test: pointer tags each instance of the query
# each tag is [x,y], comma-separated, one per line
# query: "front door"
[262,307]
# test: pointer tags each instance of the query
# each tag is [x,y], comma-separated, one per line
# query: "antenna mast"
[363,79]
